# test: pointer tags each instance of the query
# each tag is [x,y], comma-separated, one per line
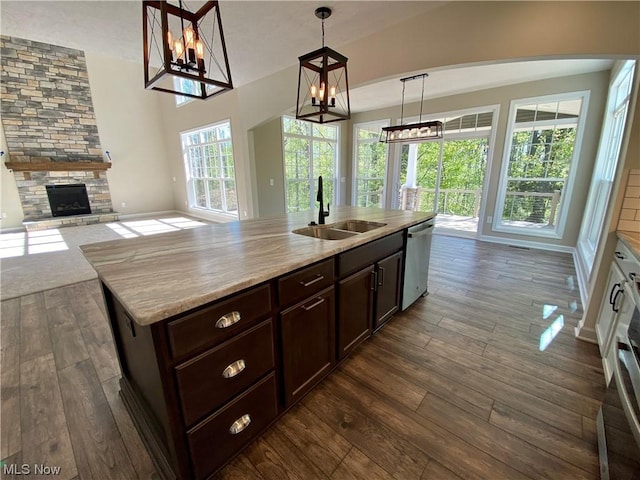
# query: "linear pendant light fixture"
[412,132]
[184,52]
[323,87]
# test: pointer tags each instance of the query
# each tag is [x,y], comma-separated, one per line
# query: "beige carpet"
[35,261]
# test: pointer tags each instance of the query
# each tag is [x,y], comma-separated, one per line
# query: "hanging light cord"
[404,80]
[402,107]
[422,99]
[323,33]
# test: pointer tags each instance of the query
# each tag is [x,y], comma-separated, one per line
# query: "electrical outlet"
[489,219]
[271,182]
[123,204]
[174,179]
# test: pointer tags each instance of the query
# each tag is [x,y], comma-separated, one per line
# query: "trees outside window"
[370,165]
[310,151]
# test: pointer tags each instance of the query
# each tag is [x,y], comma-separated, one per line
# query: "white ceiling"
[264,37]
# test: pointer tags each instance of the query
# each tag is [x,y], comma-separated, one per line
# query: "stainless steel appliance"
[618,420]
[416,271]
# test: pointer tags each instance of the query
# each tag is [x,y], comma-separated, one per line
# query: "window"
[370,165]
[540,158]
[208,157]
[185,85]
[310,151]
[606,163]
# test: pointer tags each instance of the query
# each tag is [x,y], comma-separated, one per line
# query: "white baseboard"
[583,276]
[586,334]
[526,244]
[131,216]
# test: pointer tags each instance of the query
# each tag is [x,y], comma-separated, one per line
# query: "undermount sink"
[359,226]
[339,230]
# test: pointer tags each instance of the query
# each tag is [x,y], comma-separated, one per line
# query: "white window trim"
[586,250]
[567,193]
[313,180]
[216,215]
[354,168]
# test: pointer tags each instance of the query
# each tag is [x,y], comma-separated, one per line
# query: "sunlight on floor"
[42,241]
[29,243]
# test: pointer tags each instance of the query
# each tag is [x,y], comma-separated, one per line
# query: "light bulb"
[199,49]
[314,91]
[321,93]
[332,92]
[189,37]
[179,48]
[170,39]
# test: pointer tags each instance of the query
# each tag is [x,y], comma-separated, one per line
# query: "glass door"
[447,176]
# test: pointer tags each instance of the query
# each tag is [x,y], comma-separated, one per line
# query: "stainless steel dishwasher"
[416,271]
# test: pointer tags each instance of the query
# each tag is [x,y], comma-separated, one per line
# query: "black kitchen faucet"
[322,214]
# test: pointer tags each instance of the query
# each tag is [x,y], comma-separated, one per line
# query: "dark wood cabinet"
[308,343]
[203,384]
[216,439]
[355,309]
[387,288]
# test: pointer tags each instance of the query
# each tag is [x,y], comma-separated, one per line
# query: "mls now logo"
[27,469]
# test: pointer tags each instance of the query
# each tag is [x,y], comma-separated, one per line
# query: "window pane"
[230,195]
[209,155]
[215,196]
[200,193]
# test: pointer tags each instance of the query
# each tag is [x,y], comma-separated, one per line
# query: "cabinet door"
[355,309]
[388,288]
[308,343]
[610,306]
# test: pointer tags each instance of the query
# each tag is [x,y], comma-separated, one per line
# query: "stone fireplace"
[51,130]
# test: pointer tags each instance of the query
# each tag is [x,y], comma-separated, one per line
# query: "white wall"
[130,127]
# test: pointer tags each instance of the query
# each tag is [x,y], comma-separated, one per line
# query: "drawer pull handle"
[313,305]
[311,282]
[234,369]
[240,424]
[229,319]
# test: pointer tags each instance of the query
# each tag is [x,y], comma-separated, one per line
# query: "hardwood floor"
[456,387]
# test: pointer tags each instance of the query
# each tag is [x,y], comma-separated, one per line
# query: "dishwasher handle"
[421,233]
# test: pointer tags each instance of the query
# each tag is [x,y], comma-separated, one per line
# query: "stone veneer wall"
[47,116]
[47,111]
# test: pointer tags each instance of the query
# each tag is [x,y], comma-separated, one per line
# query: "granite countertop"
[631,240]
[158,276]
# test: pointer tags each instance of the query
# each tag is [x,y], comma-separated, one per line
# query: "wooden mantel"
[57,166]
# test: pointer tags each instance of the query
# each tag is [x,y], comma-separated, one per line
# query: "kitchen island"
[222,328]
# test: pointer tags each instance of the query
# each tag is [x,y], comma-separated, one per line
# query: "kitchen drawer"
[213,441]
[305,282]
[220,321]
[216,376]
[360,257]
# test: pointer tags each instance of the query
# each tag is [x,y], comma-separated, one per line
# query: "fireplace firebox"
[67,200]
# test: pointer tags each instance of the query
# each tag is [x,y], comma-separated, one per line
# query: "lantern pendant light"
[412,132]
[184,52]
[323,87]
